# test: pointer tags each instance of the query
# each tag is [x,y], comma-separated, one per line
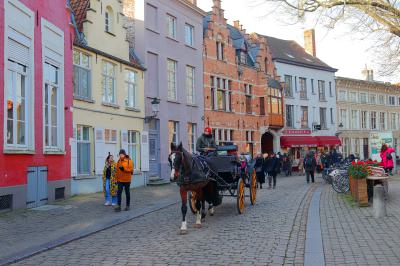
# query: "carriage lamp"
[155,107]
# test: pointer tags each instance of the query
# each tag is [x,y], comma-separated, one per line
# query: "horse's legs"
[211,209]
[198,207]
[184,210]
[203,209]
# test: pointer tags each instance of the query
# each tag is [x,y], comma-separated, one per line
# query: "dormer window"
[243,57]
[109,17]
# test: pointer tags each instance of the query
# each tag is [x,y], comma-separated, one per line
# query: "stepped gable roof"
[79,8]
[290,52]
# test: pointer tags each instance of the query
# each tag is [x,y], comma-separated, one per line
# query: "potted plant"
[358,172]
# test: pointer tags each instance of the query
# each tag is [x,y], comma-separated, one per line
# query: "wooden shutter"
[144,151]
[74,153]
[100,153]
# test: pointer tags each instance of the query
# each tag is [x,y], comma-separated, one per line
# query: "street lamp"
[155,106]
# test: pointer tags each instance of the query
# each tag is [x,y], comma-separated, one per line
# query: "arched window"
[109,19]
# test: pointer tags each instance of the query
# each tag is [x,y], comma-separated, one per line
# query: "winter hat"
[122,151]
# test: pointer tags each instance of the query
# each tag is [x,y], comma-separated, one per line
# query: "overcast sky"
[336,47]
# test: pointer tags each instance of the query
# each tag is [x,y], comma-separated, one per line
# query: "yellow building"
[108,108]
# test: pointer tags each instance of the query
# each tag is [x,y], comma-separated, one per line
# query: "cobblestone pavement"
[23,230]
[352,236]
[270,233]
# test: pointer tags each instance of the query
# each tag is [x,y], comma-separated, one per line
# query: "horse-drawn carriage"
[231,177]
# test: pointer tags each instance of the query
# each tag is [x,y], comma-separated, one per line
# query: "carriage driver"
[206,142]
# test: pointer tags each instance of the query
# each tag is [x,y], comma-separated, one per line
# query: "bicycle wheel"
[336,184]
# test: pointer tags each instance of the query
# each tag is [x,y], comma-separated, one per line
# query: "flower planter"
[362,192]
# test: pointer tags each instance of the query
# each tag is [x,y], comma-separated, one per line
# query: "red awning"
[299,141]
[328,141]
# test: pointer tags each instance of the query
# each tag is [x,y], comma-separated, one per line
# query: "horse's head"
[175,160]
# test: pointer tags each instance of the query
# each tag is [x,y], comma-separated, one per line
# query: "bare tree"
[373,19]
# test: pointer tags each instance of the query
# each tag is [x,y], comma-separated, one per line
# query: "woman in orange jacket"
[124,178]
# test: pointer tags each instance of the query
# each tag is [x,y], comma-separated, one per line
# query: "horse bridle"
[180,170]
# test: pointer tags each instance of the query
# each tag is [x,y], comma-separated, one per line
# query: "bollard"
[379,203]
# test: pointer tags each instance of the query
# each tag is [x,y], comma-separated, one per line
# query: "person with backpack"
[309,165]
[387,158]
[124,178]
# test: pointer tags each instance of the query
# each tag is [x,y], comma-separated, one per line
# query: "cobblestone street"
[272,232]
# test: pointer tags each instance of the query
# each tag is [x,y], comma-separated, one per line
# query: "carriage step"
[158,182]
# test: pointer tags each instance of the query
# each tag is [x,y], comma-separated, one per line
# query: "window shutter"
[124,140]
[144,151]
[227,106]
[99,150]
[74,154]
[18,52]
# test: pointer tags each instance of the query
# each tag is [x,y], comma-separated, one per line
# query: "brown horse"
[181,163]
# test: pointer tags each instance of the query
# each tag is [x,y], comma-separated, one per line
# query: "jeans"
[108,193]
[272,177]
[308,174]
[126,186]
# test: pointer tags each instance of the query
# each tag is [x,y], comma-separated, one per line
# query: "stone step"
[158,182]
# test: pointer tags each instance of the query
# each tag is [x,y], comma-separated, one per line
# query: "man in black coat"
[309,165]
[271,167]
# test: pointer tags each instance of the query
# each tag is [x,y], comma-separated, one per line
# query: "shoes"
[127,208]
[260,186]
[107,203]
[117,209]
[114,204]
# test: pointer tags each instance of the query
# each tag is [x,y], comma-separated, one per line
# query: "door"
[154,149]
[36,187]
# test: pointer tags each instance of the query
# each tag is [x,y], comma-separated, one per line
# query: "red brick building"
[242,95]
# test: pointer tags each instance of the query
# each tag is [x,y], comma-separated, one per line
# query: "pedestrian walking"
[258,167]
[124,178]
[271,166]
[387,158]
[309,165]
[110,185]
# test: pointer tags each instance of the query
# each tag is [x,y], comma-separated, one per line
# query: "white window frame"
[80,140]
[189,34]
[53,54]
[361,97]
[12,25]
[391,98]
[110,138]
[171,28]
[288,85]
[192,136]
[136,146]
[172,79]
[364,124]
[353,93]
[374,97]
[131,89]
[108,19]
[374,126]
[343,95]
[380,96]
[190,84]
[104,77]
[321,90]
[343,117]
[81,67]
[175,132]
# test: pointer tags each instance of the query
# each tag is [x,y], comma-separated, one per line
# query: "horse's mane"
[187,162]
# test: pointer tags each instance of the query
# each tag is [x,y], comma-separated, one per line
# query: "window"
[304,116]
[108,82]
[130,89]
[191,131]
[290,116]
[303,88]
[381,99]
[312,86]
[220,48]
[223,136]
[354,119]
[213,92]
[288,86]
[353,96]
[173,129]
[110,135]
[248,91]
[382,121]
[133,147]
[262,106]
[373,120]
[330,89]
[221,94]
[332,117]
[82,77]
[393,120]
[151,17]
[109,17]
[342,95]
[189,34]
[243,57]
[190,74]
[171,26]
[275,101]
[83,150]
[392,100]
[322,118]
[171,76]
[321,90]
[363,97]
[372,98]
[52,111]
[343,118]
[364,119]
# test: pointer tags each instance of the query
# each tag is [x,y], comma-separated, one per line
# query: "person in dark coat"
[271,166]
[309,165]
[205,142]
[258,167]
[287,165]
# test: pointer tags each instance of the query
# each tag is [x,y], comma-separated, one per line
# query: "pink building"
[36,93]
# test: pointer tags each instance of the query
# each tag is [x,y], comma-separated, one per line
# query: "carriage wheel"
[192,202]
[253,188]
[240,196]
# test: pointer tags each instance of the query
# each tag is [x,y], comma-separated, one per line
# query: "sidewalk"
[25,232]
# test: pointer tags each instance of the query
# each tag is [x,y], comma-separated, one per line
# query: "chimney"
[309,42]
[217,4]
[236,24]
[368,74]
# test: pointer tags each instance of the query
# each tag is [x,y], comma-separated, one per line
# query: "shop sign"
[376,139]
[297,132]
